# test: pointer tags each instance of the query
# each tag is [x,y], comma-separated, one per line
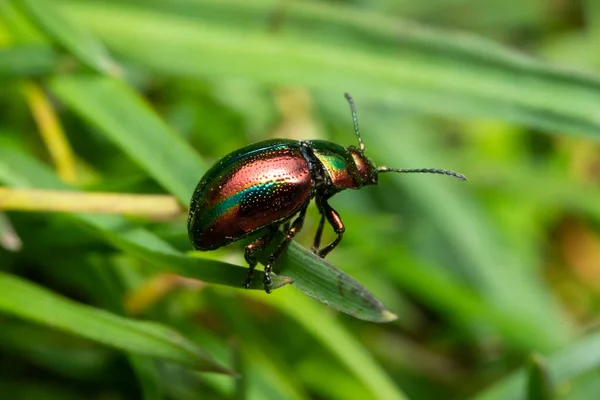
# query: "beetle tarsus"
[296,226]
[250,255]
[267,281]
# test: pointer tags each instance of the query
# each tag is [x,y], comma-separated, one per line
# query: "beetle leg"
[296,226]
[338,226]
[250,254]
[317,240]
[286,226]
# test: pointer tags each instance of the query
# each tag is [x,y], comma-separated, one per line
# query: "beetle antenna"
[425,170]
[361,145]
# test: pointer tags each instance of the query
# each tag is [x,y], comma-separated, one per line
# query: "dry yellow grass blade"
[8,237]
[156,288]
[51,131]
[159,207]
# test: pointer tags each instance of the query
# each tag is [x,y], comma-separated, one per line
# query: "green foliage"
[142,96]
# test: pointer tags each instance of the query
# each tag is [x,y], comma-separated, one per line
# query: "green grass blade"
[319,279]
[127,120]
[26,61]
[539,386]
[436,72]
[464,306]
[49,18]
[147,376]
[339,342]
[500,277]
[566,365]
[33,303]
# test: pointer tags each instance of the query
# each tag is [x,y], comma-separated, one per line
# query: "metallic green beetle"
[259,188]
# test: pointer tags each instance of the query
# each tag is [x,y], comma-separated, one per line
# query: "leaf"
[564,366]
[26,61]
[339,342]
[150,206]
[33,303]
[502,280]
[319,279]
[374,57]
[128,121]
[539,386]
[48,17]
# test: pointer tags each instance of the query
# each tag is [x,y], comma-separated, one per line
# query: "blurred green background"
[495,281]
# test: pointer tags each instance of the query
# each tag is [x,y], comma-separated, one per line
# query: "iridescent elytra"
[264,186]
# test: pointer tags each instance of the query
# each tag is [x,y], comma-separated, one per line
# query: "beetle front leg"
[296,226]
[338,227]
[250,255]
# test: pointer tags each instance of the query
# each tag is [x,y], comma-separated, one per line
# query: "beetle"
[269,184]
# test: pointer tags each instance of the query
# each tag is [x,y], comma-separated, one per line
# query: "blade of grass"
[338,341]
[50,130]
[22,61]
[501,279]
[319,279]
[50,350]
[129,122]
[571,362]
[148,377]
[33,303]
[464,306]
[437,72]
[48,17]
[150,206]
[539,386]
[114,288]
[265,370]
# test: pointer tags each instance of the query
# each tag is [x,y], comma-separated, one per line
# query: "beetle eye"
[365,167]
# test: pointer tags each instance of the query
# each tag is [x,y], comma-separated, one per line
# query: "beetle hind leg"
[295,228]
[250,255]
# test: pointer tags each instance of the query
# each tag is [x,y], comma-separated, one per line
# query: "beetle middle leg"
[338,227]
[250,254]
[317,240]
[295,228]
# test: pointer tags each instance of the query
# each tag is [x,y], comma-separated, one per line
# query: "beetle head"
[368,172]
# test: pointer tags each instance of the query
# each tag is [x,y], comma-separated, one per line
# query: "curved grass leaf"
[573,361]
[122,116]
[26,61]
[539,386]
[127,120]
[500,277]
[319,279]
[339,342]
[33,303]
[464,306]
[47,16]
[371,56]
